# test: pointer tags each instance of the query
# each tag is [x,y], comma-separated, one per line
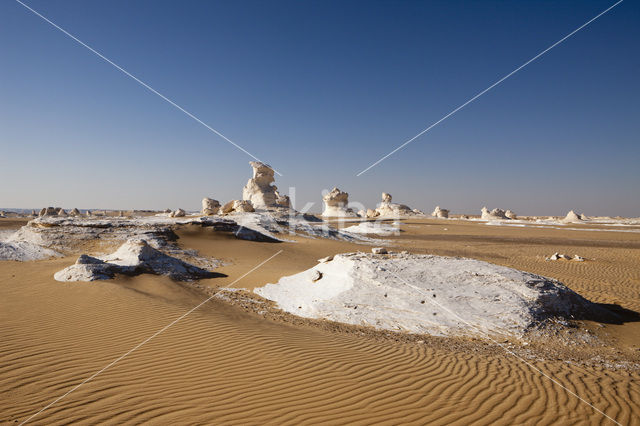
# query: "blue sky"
[320,90]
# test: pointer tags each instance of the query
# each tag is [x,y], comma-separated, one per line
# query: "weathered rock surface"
[237,206]
[259,189]
[210,206]
[132,258]
[178,213]
[389,209]
[427,294]
[510,214]
[335,204]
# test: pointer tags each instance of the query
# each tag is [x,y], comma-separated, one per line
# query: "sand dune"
[224,365]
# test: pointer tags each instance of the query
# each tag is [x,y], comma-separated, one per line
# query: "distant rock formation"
[371,213]
[74,212]
[495,214]
[335,204]
[442,213]
[178,213]
[259,189]
[237,206]
[210,206]
[389,209]
[510,214]
[573,217]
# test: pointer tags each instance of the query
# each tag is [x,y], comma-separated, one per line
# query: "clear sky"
[320,90]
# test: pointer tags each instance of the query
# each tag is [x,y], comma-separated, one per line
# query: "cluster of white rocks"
[258,194]
[394,210]
[497,214]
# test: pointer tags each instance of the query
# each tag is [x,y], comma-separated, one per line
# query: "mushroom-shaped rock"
[210,206]
[259,189]
[386,198]
[439,212]
[335,204]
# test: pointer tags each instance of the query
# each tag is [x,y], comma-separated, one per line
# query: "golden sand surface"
[226,364]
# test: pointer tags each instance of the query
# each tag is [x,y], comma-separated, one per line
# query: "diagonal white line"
[142,83]
[533,367]
[112,363]
[490,87]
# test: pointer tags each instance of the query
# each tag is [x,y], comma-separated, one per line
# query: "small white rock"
[379,250]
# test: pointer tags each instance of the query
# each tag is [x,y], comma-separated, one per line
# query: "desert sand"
[233,362]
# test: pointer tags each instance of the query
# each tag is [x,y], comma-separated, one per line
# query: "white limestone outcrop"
[495,214]
[259,189]
[132,258]
[441,213]
[237,206]
[388,209]
[335,204]
[210,206]
[573,217]
[425,294]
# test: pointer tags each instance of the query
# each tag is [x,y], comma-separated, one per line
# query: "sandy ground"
[226,364]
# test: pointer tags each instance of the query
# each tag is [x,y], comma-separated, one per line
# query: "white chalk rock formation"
[62,213]
[282,200]
[495,214]
[74,212]
[178,213]
[260,191]
[237,206]
[210,206]
[371,213]
[572,217]
[510,214]
[473,297]
[335,204]
[388,209]
[50,211]
[442,213]
[132,258]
